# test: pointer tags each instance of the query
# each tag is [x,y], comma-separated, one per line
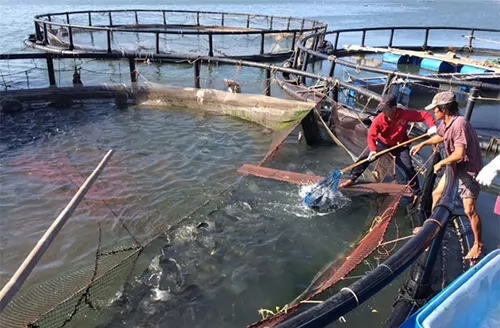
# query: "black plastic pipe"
[165,57]
[336,58]
[350,297]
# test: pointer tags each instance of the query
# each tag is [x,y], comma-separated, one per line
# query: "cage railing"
[295,27]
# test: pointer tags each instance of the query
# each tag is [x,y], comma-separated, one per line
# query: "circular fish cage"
[421,247]
[414,63]
[175,32]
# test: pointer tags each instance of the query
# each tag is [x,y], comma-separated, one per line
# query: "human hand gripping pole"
[314,197]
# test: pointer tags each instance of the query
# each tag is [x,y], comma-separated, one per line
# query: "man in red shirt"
[388,129]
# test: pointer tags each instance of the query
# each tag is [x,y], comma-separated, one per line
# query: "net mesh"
[53,299]
[185,32]
[50,298]
[97,217]
[337,270]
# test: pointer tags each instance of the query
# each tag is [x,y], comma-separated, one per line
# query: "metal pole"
[197,67]
[17,280]
[332,68]
[469,108]
[388,82]
[157,43]
[335,93]
[262,35]
[50,69]
[108,40]
[70,33]
[210,44]
[426,41]
[45,34]
[293,41]
[304,67]
[38,32]
[133,73]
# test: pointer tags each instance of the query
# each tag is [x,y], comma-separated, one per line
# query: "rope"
[395,241]
[481,39]
[353,293]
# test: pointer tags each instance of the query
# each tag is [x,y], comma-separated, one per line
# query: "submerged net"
[60,300]
[337,270]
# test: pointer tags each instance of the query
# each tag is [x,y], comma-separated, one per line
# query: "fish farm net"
[122,247]
[337,270]
[50,298]
[173,32]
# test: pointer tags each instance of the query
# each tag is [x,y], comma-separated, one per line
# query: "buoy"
[438,66]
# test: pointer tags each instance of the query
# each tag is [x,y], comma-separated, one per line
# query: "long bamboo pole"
[22,273]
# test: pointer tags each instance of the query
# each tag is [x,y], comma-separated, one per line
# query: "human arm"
[458,133]
[457,155]
[372,134]
[489,172]
[418,116]
[434,140]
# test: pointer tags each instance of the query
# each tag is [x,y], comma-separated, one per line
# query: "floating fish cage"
[175,32]
[62,36]
[377,60]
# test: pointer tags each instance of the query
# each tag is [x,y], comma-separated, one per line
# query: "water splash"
[329,201]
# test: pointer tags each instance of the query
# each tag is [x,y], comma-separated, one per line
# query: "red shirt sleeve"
[418,116]
[372,134]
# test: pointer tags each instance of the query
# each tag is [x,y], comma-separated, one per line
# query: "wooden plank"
[421,54]
[307,179]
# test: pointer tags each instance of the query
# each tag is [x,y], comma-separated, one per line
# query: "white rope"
[395,240]
[353,293]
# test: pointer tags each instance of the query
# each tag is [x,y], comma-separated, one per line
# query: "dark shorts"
[468,187]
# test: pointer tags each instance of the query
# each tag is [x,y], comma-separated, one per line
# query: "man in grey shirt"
[462,147]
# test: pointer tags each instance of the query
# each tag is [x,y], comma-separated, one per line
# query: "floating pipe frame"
[44,22]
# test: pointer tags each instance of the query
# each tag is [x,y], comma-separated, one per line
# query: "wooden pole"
[17,280]
[385,151]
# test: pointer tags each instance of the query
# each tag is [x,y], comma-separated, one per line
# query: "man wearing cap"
[388,129]
[462,147]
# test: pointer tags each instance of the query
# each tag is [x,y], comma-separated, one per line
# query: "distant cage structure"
[181,33]
[413,62]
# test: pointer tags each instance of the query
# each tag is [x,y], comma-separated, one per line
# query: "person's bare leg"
[475,222]
[436,196]
[438,192]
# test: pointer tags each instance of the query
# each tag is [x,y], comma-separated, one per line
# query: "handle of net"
[22,273]
[385,151]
